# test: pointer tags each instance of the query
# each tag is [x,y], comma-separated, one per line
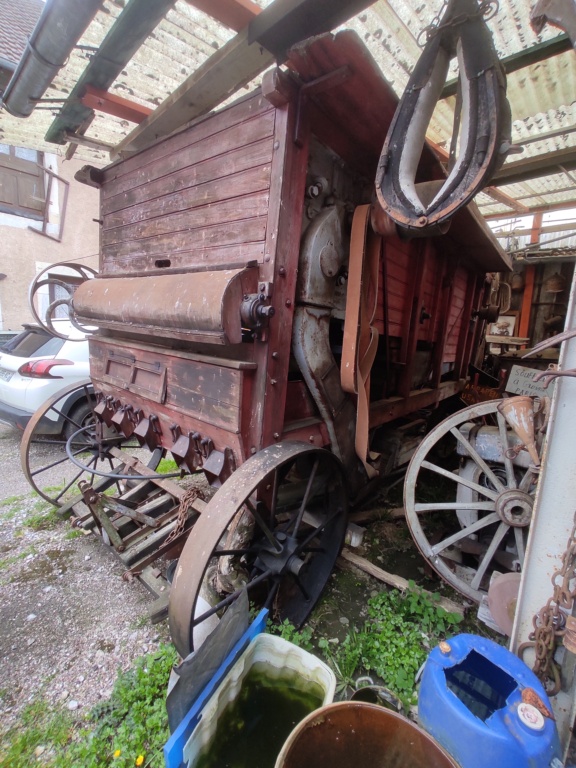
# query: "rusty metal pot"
[355,733]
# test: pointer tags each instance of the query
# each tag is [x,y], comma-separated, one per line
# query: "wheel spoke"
[306,497]
[527,480]
[487,559]
[318,530]
[481,506]
[262,525]
[477,458]
[272,594]
[274,503]
[301,587]
[502,427]
[55,463]
[464,533]
[520,549]
[460,480]
[230,599]
[70,484]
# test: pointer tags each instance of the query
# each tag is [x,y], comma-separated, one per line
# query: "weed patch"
[128,729]
[132,723]
[40,728]
[391,644]
[43,518]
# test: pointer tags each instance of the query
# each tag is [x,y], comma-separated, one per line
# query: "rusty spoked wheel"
[43,456]
[471,518]
[46,280]
[275,527]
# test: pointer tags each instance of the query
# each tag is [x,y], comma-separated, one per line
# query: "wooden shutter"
[21,187]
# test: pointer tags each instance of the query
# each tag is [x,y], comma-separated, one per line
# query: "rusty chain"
[186,503]
[487,9]
[550,622]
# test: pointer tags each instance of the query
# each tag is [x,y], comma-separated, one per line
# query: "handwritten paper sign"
[521,382]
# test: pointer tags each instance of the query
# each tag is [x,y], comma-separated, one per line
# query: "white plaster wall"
[21,249]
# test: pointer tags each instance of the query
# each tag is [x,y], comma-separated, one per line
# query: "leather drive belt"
[482,122]
[360,337]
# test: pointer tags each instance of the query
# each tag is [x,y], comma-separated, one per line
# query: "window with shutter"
[22,190]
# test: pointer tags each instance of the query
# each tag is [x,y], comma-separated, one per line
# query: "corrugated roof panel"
[541,96]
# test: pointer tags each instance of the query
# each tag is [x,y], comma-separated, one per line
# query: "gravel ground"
[68,620]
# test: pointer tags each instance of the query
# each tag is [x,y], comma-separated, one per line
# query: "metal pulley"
[482,122]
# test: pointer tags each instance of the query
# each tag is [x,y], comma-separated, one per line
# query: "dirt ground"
[68,621]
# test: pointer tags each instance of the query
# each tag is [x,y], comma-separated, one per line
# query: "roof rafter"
[235,14]
[525,58]
[277,28]
[136,22]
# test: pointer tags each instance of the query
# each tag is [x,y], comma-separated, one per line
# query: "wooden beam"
[501,197]
[563,206]
[136,22]
[527,298]
[391,579]
[520,231]
[86,141]
[235,14]
[267,38]
[544,136]
[522,59]
[232,66]
[535,167]
[109,103]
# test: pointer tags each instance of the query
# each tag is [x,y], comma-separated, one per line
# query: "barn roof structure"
[141,60]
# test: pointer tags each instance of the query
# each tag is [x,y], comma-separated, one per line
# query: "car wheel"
[80,416]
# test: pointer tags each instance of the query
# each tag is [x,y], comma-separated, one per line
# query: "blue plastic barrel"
[470,701]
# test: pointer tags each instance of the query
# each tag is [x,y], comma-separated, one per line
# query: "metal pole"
[551,526]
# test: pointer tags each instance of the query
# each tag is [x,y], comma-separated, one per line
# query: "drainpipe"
[60,26]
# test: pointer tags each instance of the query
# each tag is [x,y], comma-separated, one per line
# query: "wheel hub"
[283,559]
[514,508]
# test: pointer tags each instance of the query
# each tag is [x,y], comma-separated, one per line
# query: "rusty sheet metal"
[203,306]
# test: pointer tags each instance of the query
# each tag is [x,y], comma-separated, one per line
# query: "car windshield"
[33,342]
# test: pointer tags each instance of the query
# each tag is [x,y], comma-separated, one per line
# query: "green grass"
[39,726]
[73,534]
[43,518]
[131,724]
[167,467]
[10,500]
[30,550]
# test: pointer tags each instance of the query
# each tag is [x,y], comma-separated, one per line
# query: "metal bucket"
[355,733]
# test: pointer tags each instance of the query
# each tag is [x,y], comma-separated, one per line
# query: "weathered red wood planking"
[239,159]
[197,217]
[125,171]
[225,256]
[244,182]
[455,320]
[210,392]
[247,230]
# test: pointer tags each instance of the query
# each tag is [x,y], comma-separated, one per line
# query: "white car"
[34,366]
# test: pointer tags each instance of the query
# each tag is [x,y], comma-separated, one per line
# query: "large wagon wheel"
[484,518]
[44,459]
[276,526]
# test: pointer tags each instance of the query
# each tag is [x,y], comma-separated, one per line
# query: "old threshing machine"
[263,322]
